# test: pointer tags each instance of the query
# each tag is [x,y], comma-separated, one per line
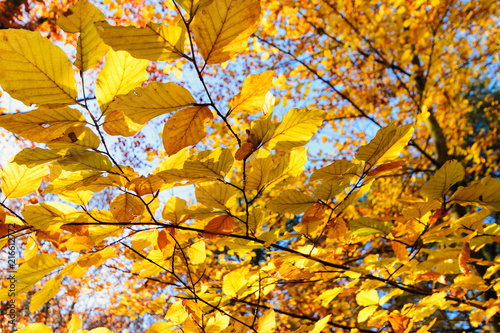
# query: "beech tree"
[345,169]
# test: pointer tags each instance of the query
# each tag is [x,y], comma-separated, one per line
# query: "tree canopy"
[339,160]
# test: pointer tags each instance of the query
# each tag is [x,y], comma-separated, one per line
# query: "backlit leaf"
[386,145]
[49,290]
[338,170]
[292,201]
[43,124]
[259,174]
[185,128]
[192,6]
[35,269]
[197,253]
[155,42]
[223,28]
[296,129]
[19,180]
[267,322]
[483,193]
[36,328]
[80,18]
[175,210]
[216,195]
[34,70]
[125,207]
[233,283]
[219,225]
[158,98]
[367,297]
[119,76]
[449,174]
[176,313]
[252,96]
[48,216]
[365,226]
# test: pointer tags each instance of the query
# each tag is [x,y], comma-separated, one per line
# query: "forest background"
[385,221]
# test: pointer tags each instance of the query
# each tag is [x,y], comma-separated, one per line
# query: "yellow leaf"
[62,181]
[386,145]
[49,216]
[34,70]
[204,166]
[216,195]
[253,93]
[37,156]
[196,252]
[217,323]
[160,327]
[259,174]
[80,18]
[233,283]
[175,210]
[476,317]
[367,297]
[365,313]
[125,207]
[193,310]
[364,226]
[76,160]
[117,123]
[35,328]
[262,130]
[192,6]
[289,168]
[185,128]
[267,322]
[43,124]
[330,188]
[338,170]
[483,193]
[296,129]
[471,222]
[223,28]
[143,104]
[99,330]
[321,324]
[449,174]
[155,42]
[292,201]
[176,313]
[354,197]
[48,291]
[19,180]
[119,76]
[35,269]
[31,249]
[420,209]
[74,324]
[77,137]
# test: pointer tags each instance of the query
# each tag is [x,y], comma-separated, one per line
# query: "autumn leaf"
[80,18]
[155,42]
[185,128]
[449,174]
[252,96]
[386,145]
[220,225]
[291,201]
[223,28]
[28,65]
[19,180]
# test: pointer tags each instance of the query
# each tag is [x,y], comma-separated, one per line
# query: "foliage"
[299,225]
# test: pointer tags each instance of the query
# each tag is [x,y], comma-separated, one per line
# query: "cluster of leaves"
[269,246]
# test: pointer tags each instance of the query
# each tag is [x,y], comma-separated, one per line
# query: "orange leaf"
[433,276]
[244,151]
[463,259]
[192,309]
[220,225]
[386,167]
[399,322]
[315,213]
[400,251]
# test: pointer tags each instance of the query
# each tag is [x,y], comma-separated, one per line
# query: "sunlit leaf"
[185,128]
[119,76]
[252,96]
[19,180]
[155,42]
[34,70]
[216,195]
[483,193]
[80,18]
[449,174]
[292,201]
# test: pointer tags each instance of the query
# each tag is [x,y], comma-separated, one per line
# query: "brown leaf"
[220,225]
[400,251]
[399,322]
[244,151]
[192,309]
[463,259]
[433,276]
[386,167]
[315,213]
